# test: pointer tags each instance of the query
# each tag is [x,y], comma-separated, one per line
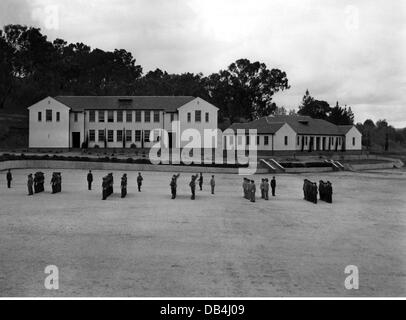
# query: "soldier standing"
[30,182]
[192,185]
[9,177]
[266,189]
[273,186]
[104,188]
[201,181]
[329,192]
[174,185]
[212,184]
[124,186]
[139,181]
[253,189]
[89,180]
[262,187]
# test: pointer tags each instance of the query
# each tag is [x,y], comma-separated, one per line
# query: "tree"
[314,108]
[246,89]
[341,116]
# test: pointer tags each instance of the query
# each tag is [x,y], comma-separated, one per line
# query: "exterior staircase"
[273,165]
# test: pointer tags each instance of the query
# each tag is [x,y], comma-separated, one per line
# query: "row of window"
[118,116]
[119,135]
[198,116]
[331,140]
[49,116]
[247,140]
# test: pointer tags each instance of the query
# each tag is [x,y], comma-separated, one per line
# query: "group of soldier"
[249,188]
[310,191]
[56,182]
[174,185]
[326,191]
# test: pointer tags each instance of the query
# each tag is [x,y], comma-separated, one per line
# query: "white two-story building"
[116,122]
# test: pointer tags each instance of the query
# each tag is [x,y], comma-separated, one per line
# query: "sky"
[350,51]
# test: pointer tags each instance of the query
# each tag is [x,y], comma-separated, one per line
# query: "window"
[138,116]
[198,116]
[58,117]
[101,116]
[39,116]
[247,140]
[286,140]
[207,117]
[353,141]
[120,116]
[189,117]
[172,117]
[92,136]
[239,140]
[119,135]
[147,116]
[231,140]
[156,116]
[92,116]
[258,140]
[298,140]
[128,135]
[101,135]
[129,116]
[110,116]
[110,136]
[146,135]
[137,135]
[266,140]
[75,117]
[48,115]
[157,135]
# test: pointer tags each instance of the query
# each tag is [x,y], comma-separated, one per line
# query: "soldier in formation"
[107,186]
[30,183]
[326,191]
[124,186]
[9,178]
[262,188]
[174,185]
[201,181]
[273,186]
[266,189]
[140,179]
[192,185]
[252,190]
[39,182]
[56,182]
[89,180]
[310,191]
[212,184]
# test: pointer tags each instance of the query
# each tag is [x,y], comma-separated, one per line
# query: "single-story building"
[116,122]
[294,133]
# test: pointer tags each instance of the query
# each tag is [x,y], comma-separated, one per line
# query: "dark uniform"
[30,183]
[201,181]
[124,186]
[252,189]
[174,185]
[262,187]
[89,180]
[212,184]
[139,181]
[273,186]
[192,185]
[266,189]
[9,177]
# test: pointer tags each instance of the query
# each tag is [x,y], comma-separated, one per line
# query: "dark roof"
[346,128]
[300,124]
[166,103]
[261,125]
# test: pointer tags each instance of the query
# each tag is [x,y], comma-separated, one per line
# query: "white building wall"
[124,125]
[357,136]
[197,104]
[48,134]
[279,139]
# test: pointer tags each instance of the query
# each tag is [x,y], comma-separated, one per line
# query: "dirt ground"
[148,245]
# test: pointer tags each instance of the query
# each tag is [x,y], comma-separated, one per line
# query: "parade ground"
[221,245]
